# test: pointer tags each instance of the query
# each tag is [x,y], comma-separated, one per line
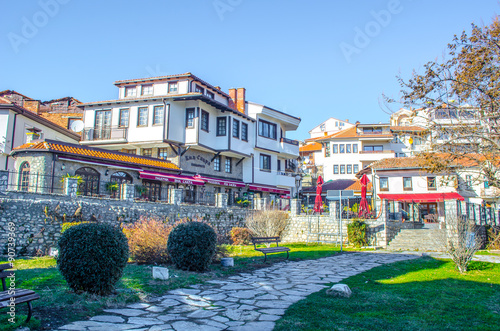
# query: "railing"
[199,198]
[376,152]
[105,133]
[290,141]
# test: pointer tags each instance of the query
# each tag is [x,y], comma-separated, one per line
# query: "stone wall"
[38,217]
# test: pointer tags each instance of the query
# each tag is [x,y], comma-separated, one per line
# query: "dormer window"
[172,87]
[210,95]
[130,91]
[147,89]
[199,89]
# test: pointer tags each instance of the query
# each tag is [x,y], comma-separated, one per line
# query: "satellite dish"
[77,126]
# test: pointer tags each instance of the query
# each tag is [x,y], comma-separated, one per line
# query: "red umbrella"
[318,203]
[363,204]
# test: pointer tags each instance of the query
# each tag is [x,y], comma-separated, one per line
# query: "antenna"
[77,126]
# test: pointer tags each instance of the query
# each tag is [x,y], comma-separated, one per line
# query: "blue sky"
[306,58]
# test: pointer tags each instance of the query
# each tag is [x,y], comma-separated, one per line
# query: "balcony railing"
[376,152]
[290,141]
[105,133]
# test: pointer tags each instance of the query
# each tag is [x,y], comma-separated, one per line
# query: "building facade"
[233,145]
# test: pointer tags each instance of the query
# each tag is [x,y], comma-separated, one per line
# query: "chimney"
[232,101]
[32,105]
[240,100]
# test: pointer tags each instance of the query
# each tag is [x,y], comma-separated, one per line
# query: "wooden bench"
[269,250]
[19,295]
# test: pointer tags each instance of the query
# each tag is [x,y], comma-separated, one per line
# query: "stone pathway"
[249,301]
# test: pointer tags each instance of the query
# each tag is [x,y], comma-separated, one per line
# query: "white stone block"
[227,262]
[160,273]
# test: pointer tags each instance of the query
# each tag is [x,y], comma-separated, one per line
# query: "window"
[279,165]
[267,129]
[342,148]
[189,117]
[244,131]
[130,91]
[402,155]
[384,183]
[89,184]
[327,150]
[210,95]
[130,151]
[123,120]
[468,180]
[265,162]
[335,148]
[336,169]
[163,153]
[24,177]
[72,120]
[147,89]
[221,126]
[322,127]
[349,168]
[153,189]
[354,148]
[228,164]
[376,148]
[172,87]
[204,120]
[348,148]
[142,117]
[158,115]
[147,152]
[486,184]
[236,129]
[431,183]
[217,163]
[342,168]
[355,168]
[199,89]
[407,184]
[372,130]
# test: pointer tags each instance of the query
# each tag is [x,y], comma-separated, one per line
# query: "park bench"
[20,295]
[269,250]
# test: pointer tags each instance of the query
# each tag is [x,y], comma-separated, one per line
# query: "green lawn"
[422,294]
[51,310]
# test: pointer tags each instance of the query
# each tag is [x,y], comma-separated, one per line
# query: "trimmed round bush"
[92,257]
[191,246]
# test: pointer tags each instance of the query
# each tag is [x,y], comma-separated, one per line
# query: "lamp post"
[298,178]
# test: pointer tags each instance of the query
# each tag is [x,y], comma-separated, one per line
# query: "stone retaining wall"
[38,217]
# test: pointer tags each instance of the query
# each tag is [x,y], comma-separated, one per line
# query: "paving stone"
[247,302]
[171,318]
[236,286]
[248,294]
[108,318]
[272,304]
[234,323]
[266,317]
[196,303]
[156,309]
[144,321]
[190,326]
[169,303]
[201,314]
[164,327]
[261,326]
[138,305]
[241,315]
[126,312]
[267,297]
[220,319]
[215,324]
[273,311]
[184,291]
[214,297]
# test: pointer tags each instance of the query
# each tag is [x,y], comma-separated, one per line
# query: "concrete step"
[418,239]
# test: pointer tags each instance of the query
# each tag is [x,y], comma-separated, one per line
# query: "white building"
[19,125]
[230,144]
[328,127]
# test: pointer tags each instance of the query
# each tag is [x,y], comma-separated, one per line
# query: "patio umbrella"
[318,203]
[363,204]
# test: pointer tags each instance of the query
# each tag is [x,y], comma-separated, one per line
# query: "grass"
[488,252]
[56,299]
[422,294]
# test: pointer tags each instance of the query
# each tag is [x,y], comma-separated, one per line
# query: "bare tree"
[462,241]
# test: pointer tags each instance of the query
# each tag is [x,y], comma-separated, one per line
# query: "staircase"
[418,240]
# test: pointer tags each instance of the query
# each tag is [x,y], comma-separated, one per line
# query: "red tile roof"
[313,147]
[98,154]
[356,186]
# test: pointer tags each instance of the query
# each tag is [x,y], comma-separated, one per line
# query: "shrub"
[147,240]
[66,225]
[356,233]
[240,236]
[267,223]
[192,245]
[92,257]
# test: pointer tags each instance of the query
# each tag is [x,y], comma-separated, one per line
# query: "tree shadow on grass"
[423,294]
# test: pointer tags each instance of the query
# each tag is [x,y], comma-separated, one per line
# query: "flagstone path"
[249,301]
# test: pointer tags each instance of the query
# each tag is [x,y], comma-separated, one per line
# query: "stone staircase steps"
[419,240]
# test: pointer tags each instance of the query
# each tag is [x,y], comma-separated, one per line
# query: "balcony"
[289,147]
[107,134]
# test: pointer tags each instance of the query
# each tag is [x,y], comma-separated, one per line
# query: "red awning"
[171,178]
[422,197]
[223,182]
[271,189]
